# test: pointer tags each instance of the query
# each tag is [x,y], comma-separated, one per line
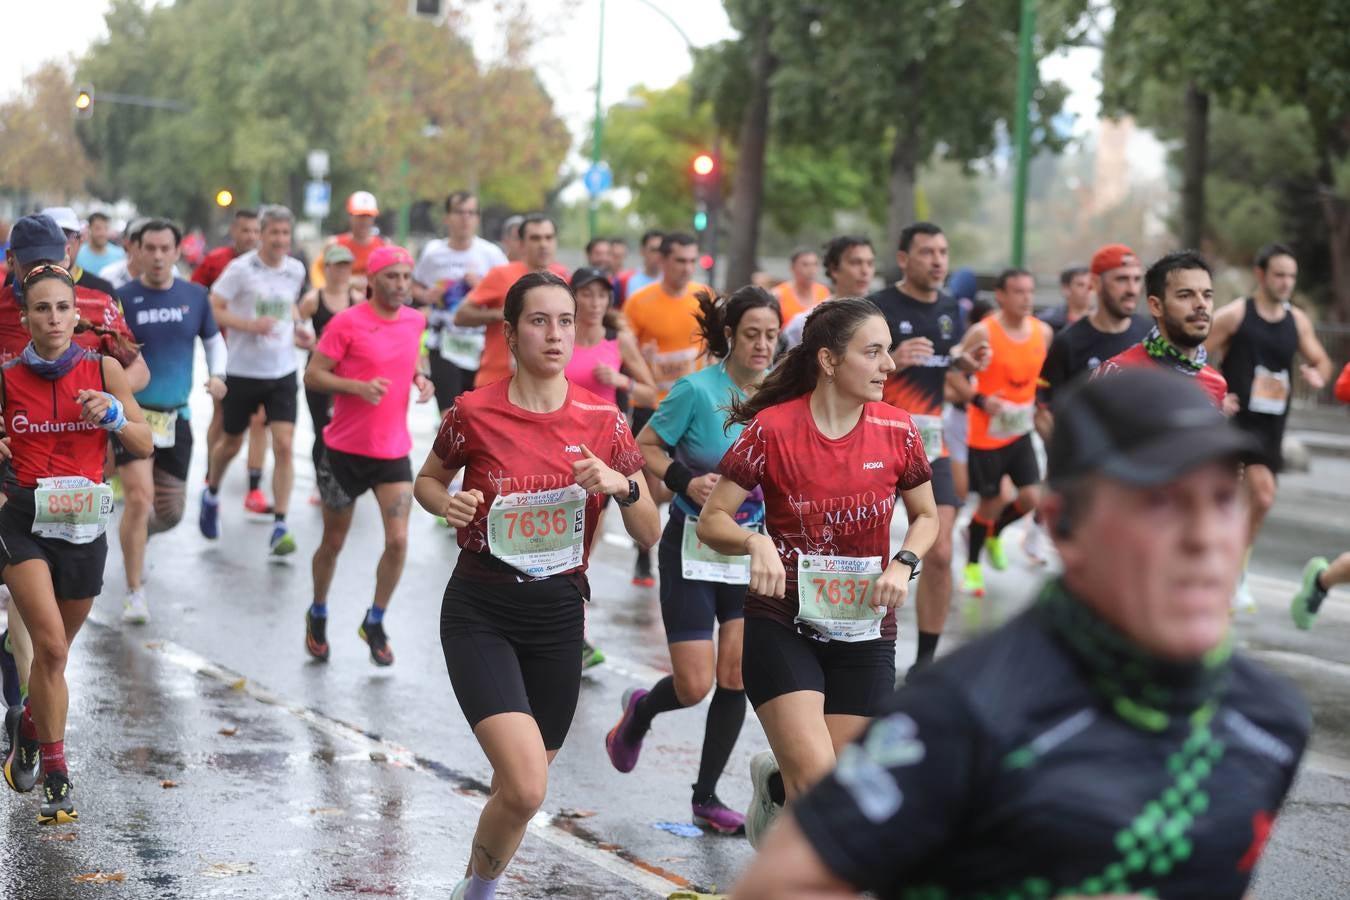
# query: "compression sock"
[54,757]
[1011,513]
[480,888]
[254,479]
[375,615]
[726,715]
[661,698]
[319,610]
[979,530]
[928,641]
[777,792]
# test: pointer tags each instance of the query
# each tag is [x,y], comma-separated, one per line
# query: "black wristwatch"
[634,494]
[906,558]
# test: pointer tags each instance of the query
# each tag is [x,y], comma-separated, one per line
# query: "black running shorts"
[277,397]
[1017,461]
[342,477]
[691,608]
[515,647]
[77,569]
[856,678]
[174,460]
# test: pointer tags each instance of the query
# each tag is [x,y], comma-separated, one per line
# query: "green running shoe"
[1303,608]
[591,655]
[972,581]
[998,557]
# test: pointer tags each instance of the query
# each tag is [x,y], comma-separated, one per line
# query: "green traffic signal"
[700,221]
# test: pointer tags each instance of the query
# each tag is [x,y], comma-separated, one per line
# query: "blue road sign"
[598,179]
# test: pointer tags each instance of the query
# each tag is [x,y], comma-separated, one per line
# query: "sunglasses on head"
[48,268]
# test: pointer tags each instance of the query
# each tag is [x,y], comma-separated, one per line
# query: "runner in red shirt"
[1180,289]
[60,400]
[831,457]
[244,234]
[540,457]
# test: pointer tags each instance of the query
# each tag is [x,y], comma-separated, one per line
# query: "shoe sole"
[9,778]
[704,822]
[60,818]
[762,767]
[644,582]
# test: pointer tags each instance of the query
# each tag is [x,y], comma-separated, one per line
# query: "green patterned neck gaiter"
[1160,348]
[1148,693]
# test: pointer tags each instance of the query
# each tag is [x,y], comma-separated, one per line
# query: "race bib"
[278,308]
[71,508]
[834,595]
[1012,421]
[163,426]
[462,347]
[539,533]
[699,562]
[671,367]
[1270,392]
[930,430]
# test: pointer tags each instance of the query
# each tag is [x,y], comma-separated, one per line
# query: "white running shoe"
[135,610]
[762,809]
[1243,601]
[1035,544]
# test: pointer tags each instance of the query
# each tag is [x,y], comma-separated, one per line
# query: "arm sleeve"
[671,419]
[624,455]
[216,354]
[744,462]
[897,794]
[452,439]
[1054,371]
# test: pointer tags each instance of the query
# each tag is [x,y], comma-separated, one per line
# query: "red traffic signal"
[705,262]
[704,164]
[707,178]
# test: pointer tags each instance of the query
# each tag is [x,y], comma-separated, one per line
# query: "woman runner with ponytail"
[683,443]
[59,401]
[540,457]
[831,457]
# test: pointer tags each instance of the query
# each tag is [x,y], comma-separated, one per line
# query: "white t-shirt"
[443,269]
[792,334]
[116,273]
[254,290]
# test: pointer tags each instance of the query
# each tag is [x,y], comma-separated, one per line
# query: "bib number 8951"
[70,503]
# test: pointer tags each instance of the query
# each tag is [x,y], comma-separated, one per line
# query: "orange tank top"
[1011,376]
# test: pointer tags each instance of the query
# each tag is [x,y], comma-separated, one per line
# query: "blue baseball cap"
[37,239]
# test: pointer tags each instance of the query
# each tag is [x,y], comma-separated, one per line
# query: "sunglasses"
[48,268]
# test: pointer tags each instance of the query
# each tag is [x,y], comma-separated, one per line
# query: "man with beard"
[1256,340]
[1180,290]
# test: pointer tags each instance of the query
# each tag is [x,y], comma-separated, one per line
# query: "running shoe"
[623,753]
[998,557]
[256,502]
[973,580]
[135,609]
[642,570]
[316,635]
[58,807]
[1243,601]
[762,809]
[281,544]
[1303,608]
[374,635]
[1035,545]
[24,757]
[591,655]
[209,518]
[460,890]
[718,816]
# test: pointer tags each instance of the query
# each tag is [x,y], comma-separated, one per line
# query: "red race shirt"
[94,306]
[211,267]
[826,497]
[504,449]
[1136,357]
[48,438]
[491,293]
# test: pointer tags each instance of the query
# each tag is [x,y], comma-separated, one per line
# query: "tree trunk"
[900,204]
[1333,145]
[747,201]
[1195,164]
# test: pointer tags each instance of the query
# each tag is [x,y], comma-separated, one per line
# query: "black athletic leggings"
[515,647]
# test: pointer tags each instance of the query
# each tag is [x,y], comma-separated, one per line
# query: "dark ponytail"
[831,325]
[716,314]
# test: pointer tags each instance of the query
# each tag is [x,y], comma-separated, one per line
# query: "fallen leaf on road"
[227,869]
[166,784]
[239,685]
[64,836]
[569,813]
[377,756]
[229,732]
[153,645]
[327,811]
[673,859]
[98,877]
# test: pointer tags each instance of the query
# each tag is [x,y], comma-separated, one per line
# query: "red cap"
[384,257]
[1112,256]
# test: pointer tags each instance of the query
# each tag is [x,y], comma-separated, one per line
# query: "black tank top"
[1257,364]
[322,316]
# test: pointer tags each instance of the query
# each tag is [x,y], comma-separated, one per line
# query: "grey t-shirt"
[254,290]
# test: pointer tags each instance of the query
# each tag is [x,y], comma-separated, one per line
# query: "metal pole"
[714,208]
[1022,130]
[598,135]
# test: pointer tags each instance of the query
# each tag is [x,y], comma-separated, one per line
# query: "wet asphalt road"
[212,758]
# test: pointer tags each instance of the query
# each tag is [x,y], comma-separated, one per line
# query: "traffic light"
[707,180]
[224,197]
[84,102]
[701,220]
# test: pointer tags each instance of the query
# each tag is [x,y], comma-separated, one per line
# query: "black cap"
[1140,426]
[588,274]
[37,239]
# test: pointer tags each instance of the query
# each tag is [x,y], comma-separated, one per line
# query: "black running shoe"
[58,806]
[374,635]
[316,635]
[24,756]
